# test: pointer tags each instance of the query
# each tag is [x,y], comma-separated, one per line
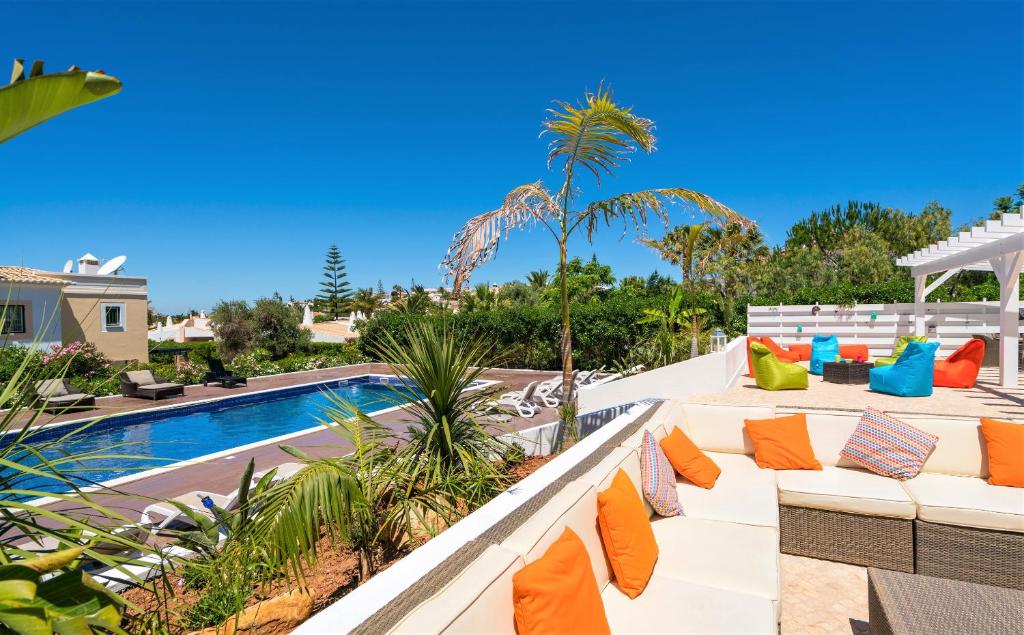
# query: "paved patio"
[821,597]
[986,399]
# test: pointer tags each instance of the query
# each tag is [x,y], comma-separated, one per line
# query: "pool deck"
[221,475]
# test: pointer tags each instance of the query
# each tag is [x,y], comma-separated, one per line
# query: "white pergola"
[996,246]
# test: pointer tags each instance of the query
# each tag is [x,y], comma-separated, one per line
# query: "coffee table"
[847,372]
[911,603]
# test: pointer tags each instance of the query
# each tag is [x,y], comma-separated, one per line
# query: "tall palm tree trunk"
[694,352]
[566,329]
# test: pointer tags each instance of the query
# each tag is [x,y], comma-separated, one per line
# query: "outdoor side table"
[847,372]
[911,603]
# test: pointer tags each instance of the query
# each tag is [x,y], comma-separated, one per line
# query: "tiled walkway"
[823,597]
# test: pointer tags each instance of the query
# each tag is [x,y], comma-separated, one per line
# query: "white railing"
[876,325]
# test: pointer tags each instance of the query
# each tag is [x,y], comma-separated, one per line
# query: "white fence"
[708,373]
[876,325]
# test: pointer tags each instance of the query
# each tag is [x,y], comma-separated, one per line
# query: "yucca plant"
[25,103]
[596,135]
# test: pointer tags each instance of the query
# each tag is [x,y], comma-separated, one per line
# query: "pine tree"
[334,290]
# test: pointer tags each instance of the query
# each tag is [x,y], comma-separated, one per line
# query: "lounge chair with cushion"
[824,348]
[146,385]
[58,395]
[772,374]
[901,345]
[960,370]
[220,375]
[911,375]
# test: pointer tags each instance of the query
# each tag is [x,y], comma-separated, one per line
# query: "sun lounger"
[171,513]
[58,395]
[284,472]
[521,401]
[220,375]
[144,384]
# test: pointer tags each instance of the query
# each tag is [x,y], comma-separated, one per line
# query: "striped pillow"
[658,478]
[885,445]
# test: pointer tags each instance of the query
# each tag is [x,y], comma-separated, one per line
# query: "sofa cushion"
[782,443]
[961,447]
[626,534]
[659,478]
[575,506]
[720,428]
[477,600]
[600,476]
[47,388]
[557,592]
[727,556]
[883,444]
[669,413]
[743,493]
[141,377]
[674,606]
[829,432]
[967,501]
[845,490]
[689,461]
[1004,445]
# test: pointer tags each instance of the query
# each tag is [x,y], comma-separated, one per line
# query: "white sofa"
[718,566]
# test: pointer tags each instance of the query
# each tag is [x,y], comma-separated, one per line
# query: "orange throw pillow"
[627,535]
[782,443]
[688,460]
[557,593]
[1004,442]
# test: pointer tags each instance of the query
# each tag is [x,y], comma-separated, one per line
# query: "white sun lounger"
[521,401]
[194,501]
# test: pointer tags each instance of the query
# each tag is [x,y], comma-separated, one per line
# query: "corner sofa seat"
[967,502]
[845,490]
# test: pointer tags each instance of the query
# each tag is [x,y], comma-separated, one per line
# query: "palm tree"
[681,247]
[596,136]
[25,103]
[367,302]
[538,279]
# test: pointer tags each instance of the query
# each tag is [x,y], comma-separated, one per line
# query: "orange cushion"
[782,443]
[627,535]
[557,593]
[1004,442]
[688,460]
[778,351]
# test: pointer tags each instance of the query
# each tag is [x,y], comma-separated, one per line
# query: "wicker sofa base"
[867,541]
[983,556]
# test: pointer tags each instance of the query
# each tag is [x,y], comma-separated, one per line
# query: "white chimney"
[88,264]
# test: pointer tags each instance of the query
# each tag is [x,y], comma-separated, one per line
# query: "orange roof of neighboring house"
[24,274]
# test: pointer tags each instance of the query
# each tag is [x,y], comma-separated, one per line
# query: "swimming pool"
[159,438]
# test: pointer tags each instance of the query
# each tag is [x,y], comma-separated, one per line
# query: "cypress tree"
[334,290]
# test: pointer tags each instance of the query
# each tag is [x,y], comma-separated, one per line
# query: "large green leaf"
[25,103]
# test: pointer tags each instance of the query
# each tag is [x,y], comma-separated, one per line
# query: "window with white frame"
[12,319]
[112,317]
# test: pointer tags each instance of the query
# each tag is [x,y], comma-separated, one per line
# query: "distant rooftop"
[24,274]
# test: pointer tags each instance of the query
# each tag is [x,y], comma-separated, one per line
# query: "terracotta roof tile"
[24,274]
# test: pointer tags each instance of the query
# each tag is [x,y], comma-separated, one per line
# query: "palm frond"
[634,208]
[597,133]
[477,241]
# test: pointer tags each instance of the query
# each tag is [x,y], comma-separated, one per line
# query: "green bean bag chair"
[771,374]
[901,345]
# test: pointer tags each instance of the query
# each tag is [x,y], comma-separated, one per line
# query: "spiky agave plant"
[596,135]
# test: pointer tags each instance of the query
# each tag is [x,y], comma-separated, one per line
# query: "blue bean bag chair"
[911,375]
[824,348]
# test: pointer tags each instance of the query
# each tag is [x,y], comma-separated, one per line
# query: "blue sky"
[250,136]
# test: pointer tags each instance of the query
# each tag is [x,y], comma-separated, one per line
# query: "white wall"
[44,316]
[707,373]
[952,323]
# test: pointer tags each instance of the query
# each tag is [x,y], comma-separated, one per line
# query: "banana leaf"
[25,103]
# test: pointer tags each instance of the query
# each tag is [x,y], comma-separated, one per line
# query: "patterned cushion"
[885,445]
[658,478]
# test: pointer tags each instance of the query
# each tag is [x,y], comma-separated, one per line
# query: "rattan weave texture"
[868,541]
[983,556]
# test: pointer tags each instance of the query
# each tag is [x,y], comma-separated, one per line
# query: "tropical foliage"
[269,324]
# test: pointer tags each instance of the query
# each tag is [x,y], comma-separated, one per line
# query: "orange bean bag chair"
[782,354]
[802,352]
[960,370]
[853,351]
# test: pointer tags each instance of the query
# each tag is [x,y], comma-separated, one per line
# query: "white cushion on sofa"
[635,440]
[829,433]
[601,475]
[743,493]
[575,506]
[961,447]
[674,606]
[477,600]
[720,428]
[967,501]
[845,490]
[727,556]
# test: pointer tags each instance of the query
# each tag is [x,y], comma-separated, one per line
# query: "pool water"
[159,438]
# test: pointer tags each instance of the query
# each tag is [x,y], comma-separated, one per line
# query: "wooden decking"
[221,475]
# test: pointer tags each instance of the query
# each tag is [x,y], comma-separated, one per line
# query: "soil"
[333,576]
